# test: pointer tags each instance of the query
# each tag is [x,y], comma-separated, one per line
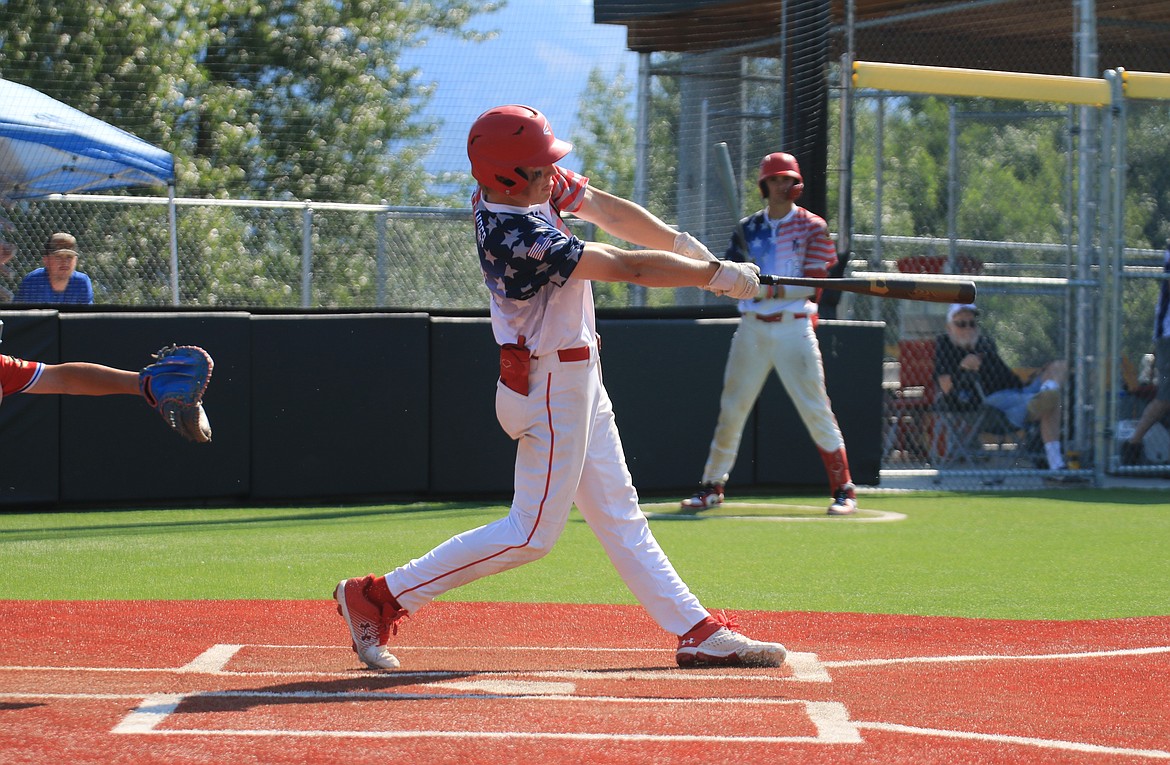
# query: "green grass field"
[1085,554]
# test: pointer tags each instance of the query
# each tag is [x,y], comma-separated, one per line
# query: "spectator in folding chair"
[969,371]
[1132,450]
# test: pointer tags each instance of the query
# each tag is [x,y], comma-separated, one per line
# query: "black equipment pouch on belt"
[515,362]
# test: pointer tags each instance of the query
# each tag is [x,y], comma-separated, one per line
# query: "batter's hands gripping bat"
[931,290]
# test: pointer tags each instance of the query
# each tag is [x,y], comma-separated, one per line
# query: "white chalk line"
[998,657]
[862,516]
[1044,743]
[805,667]
[830,718]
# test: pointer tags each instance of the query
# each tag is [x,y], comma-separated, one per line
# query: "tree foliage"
[255,99]
[278,99]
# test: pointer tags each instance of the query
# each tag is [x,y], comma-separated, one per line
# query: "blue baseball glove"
[173,386]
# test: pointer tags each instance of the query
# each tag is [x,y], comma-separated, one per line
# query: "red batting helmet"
[507,138]
[780,163]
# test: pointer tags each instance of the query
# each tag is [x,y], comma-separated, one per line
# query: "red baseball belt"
[775,317]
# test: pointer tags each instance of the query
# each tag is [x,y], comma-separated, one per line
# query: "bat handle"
[767,279]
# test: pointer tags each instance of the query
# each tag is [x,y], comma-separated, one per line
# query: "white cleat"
[844,501]
[709,495]
[726,648]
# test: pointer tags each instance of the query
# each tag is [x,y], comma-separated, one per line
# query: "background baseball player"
[1132,449]
[777,331]
[550,396]
[173,385]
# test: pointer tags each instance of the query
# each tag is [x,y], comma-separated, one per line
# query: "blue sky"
[542,57]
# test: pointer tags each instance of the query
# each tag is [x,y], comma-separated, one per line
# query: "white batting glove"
[688,246]
[735,280]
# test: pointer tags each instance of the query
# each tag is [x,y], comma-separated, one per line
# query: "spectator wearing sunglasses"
[970,372]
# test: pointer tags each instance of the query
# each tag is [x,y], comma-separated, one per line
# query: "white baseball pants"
[568,452]
[790,347]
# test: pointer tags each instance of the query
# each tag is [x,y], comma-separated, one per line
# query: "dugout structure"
[1080,282]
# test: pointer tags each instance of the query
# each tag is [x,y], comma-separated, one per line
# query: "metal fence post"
[173,223]
[307,255]
[1112,263]
[381,266]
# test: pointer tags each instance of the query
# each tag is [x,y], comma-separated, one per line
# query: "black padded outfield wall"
[665,377]
[470,453]
[29,425]
[116,449]
[353,407]
[339,405]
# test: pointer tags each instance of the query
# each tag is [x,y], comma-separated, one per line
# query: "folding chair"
[980,435]
[908,409]
[977,436]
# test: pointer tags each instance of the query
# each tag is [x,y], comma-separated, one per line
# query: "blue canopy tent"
[48,147]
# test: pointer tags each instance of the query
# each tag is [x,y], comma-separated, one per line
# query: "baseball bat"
[730,190]
[930,290]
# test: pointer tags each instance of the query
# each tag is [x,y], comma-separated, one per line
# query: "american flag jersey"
[527,255]
[796,245]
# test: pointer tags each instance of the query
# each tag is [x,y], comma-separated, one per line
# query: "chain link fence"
[1014,195]
[1046,219]
[245,254]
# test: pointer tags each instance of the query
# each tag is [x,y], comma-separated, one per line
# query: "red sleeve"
[18,375]
[568,190]
[821,254]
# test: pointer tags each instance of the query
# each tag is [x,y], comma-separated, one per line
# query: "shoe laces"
[388,617]
[723,620]
[842,494]
[388,624]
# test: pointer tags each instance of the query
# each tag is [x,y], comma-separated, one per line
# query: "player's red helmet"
[780,163]
[507,138]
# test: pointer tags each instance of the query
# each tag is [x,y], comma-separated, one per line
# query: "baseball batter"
[777,331]
[550,396]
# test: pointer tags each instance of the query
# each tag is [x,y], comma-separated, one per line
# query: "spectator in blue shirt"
[58,281]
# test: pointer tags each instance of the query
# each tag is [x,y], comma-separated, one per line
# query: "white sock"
[1055,459]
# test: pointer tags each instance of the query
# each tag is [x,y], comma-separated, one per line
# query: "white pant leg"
[552,425]
[608,502]
[797,359]
[749,362]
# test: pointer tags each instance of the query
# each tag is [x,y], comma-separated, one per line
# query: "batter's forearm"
[647,268]
[626,220]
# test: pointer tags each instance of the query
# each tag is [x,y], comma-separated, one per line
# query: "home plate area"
[275,681]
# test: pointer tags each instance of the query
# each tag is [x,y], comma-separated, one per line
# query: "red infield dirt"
[276,682]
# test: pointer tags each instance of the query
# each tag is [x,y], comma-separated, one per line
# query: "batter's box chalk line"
[806,667]
[830,719]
